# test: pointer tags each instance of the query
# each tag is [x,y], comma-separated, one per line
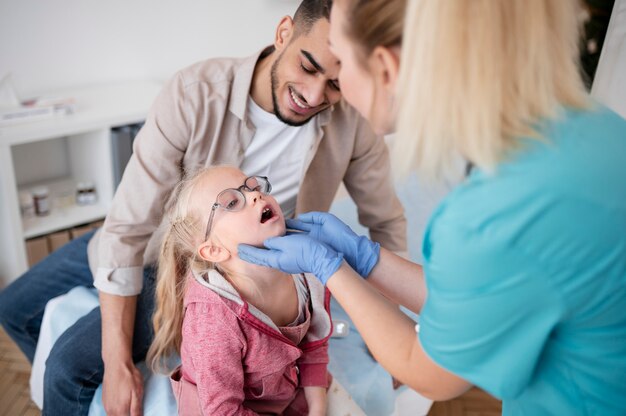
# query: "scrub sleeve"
[486,321]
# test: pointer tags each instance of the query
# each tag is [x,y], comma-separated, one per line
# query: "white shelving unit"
[79,148]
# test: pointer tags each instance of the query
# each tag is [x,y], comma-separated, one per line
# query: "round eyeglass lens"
[252,183]
[231,200]
[258,183]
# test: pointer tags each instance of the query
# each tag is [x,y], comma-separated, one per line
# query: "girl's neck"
[269,290]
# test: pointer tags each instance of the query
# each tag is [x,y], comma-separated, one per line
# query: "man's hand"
[317,400]
[122,386]
[122,390]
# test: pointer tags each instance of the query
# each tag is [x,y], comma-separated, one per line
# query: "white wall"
[53,44]
[609,85]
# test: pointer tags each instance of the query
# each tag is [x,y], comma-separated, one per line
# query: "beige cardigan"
[200,119]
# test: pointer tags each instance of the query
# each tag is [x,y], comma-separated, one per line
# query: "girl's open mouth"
[267,214]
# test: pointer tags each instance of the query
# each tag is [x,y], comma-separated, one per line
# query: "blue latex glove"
[296,253]
[360,252]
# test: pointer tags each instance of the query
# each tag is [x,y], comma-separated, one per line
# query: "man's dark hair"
[309,12]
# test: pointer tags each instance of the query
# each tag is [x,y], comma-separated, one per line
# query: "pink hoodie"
[236,361]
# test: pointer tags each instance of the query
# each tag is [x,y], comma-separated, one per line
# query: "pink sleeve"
[213,348]
[313,363]
[313,366]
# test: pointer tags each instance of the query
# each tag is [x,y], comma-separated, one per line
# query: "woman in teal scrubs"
[523,288]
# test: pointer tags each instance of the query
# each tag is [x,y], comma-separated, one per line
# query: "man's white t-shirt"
[278,151]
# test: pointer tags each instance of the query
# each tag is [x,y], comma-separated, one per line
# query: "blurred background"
[54,44]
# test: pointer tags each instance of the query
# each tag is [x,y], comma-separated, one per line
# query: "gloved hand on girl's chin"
[296,253]
[360,252]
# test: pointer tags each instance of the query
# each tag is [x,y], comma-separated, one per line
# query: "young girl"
[252,340]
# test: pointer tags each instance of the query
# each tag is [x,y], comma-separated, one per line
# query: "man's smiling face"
[304,76]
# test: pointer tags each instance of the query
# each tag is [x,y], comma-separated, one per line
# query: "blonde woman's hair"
[373,23]
[476,74]
[176,260]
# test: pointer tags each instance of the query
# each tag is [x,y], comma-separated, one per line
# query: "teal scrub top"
[526,272]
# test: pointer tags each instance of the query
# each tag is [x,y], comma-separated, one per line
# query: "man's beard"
[277,112]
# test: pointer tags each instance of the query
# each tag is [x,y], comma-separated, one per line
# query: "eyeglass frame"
[240,190]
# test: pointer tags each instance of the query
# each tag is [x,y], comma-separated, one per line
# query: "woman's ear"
[385,67]
[213,253]
[284,33]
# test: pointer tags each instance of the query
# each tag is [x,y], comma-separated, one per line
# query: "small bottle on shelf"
[41,201]
[86,193]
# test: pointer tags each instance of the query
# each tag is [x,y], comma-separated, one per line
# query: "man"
[278,113]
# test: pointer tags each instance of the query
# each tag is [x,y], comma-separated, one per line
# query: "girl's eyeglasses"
[233,199]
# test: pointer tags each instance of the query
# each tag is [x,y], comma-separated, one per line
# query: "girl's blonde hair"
[176,260]
[476,74]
